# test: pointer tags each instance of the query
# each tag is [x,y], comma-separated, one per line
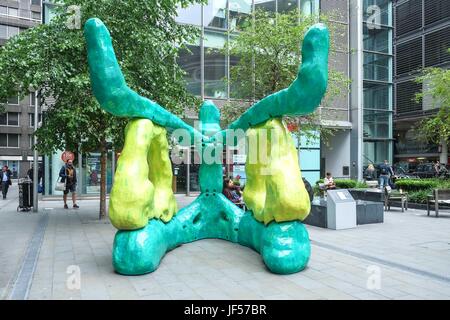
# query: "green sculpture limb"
[303,96]
[109,86]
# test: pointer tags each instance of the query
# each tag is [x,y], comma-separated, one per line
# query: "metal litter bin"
[25,194]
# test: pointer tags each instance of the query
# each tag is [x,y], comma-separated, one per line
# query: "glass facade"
[88,173]
[205,66]
[207,69]
[377,90]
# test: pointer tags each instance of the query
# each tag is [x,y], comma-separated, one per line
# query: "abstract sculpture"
[142,205]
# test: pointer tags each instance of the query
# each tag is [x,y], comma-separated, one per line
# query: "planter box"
[367,195]
[366,212]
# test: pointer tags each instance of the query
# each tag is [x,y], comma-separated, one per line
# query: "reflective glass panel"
[376,67]
[376,124]
[377,96]
[377,12]
[267,5]
[215,14]
[190,63]
[377,39]
[215,65]
[190,15]
[240,11]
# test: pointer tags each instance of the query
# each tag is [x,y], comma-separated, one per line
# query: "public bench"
[439,197]
[391,195]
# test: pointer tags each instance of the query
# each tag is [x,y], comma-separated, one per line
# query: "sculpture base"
[284,247]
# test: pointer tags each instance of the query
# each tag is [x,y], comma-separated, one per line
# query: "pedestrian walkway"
[406,257]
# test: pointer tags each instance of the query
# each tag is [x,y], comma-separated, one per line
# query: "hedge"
[416,184]
[345,183]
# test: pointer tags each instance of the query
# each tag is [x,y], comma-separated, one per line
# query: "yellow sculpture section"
[274,188]
[142,187]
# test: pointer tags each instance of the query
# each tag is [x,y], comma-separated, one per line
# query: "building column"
[356,93]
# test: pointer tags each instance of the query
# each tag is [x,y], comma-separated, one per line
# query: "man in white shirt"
[329,182]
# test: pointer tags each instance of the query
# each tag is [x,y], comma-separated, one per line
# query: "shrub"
[416,184]
[361,185]
[419,196]
[343,183]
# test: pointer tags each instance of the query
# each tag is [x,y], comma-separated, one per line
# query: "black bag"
[384,170]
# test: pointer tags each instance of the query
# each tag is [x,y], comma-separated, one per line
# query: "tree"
[266,55]
[52,58]
[436,128]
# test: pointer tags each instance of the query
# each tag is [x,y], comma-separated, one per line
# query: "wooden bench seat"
[439,196]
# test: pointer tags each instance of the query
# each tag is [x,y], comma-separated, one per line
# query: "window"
[13,100]
[13,12]
[376,124]
[9,140]
[189,61]
[12,31]
[9,119]
[32,119]
[309,7]
[32,99]
[377,67]
[3,10]
[384,17]
[376,151]
[191,15]
[377,96]
[35,15]
[287,5]
[377,39]
[36,2]
[215,65]
[215,14]
[3,31]
[31,140]
[239,11]
[266,5]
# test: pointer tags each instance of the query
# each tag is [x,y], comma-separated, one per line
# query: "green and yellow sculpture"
[142,204]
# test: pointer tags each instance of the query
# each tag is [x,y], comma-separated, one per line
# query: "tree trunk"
[103,158]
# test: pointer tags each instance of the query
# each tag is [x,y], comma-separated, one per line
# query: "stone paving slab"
[216,269]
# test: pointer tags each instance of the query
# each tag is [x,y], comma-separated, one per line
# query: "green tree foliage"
[52,58]
[267,55]
[437,86]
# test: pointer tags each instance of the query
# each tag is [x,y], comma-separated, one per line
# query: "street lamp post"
[36,160]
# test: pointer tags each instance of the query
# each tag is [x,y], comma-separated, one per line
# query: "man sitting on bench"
[329,182]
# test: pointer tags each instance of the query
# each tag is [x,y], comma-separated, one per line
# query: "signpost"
[67,155]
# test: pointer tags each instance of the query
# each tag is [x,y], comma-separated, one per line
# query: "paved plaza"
[66,254]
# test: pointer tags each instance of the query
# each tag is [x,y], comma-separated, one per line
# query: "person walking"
[68,175]
[437,168]
[386,172]
[371,173]
[5,178]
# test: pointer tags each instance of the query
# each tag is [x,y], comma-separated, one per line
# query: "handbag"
[60,186]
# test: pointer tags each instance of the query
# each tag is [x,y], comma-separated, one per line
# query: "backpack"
[384,170]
